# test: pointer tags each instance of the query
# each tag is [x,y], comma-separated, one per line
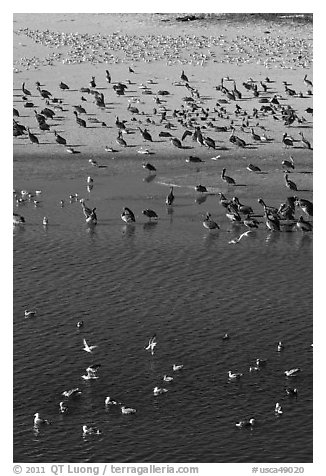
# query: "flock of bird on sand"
[196,121]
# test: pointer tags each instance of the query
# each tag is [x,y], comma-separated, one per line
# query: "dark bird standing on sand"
[92,83]
[149,167]
[176,142]
[63,86]
[225,178]
[146,135]
[306,144]
[288,164]
[289,184]
[32,137]
[80,121]
[59,139]
[184,77]
[107,76]
[26,91]
[120,140]
[287,141]
[236,140]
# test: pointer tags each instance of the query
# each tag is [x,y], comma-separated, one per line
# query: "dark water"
[172,279]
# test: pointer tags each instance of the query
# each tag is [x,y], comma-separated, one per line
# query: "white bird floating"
[167,378]
[109,401]
[91,430]
[177,367]
[245,423]
[88,348]
[151,344]
[292,372]
[234,376]
[30,313]
[159,391]
[278,409]
[127,411]
[38,421]
[74,392]
[45,221]
[63,407]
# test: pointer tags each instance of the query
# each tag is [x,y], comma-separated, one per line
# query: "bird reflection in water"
[201,199]
[150,225]
[128,230]
[149,178]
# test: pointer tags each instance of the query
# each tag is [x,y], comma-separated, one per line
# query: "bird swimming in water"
[18,219]
[91,375]
[170,198]
[280,346]
[159,391]
[151,344]
[127,215]
[109,401]
[38,421]
[292,372]
[91,430]
[29,313]
[304,225]
[167,378]
[127,411]
[234,375]
[245,423]
[176,367]
[45,221]
[150,214]
[209,223]
[278,409]
[88,348]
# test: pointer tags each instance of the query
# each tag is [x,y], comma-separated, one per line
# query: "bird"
[176,142]
[151,344]
[245,209]
[200,188]
[208,142]
[38,421]
[149,167]
[92,83]
[59,139]
[109,401]
[150,214]
[185,134]
[91,375]
[209,223]
[120,140]
[304,225]
[167,378]
[79,120]
[223,200]
[225,178]
[170,197]
[278,409]
[307,82]
[107,76]
[159,391]
[80,324]
[292,372]
[253,168]
[236,240]
[176,367]
[29,313]
[287,141]
[63,86]
[146,135]
[194,159]
[26,91]
[72,393]
[289,183]
[250,222]
[255,136]
[183,77]
[245,423]
[45,221]
[288,164]
[280,346]
[127,411]
[291,392]
[127,215]
[305,205]
[88,348]
[93,162]
[237,140]
[18,219]
[268,209]
[306,144]
[91,430]
[32,137]
[234,375]
[62,407]
[272,221]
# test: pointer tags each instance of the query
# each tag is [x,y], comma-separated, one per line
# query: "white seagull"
[151,344]
[38,421]
[236,240]
[278,409]
[74,392]
[292,372]
[88,348]
[234,376]
[109,401]
[127,411]
[30,313]
[246,423]
[91,375]
[176,367]
[159,391]
[91,430]
[167,378]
